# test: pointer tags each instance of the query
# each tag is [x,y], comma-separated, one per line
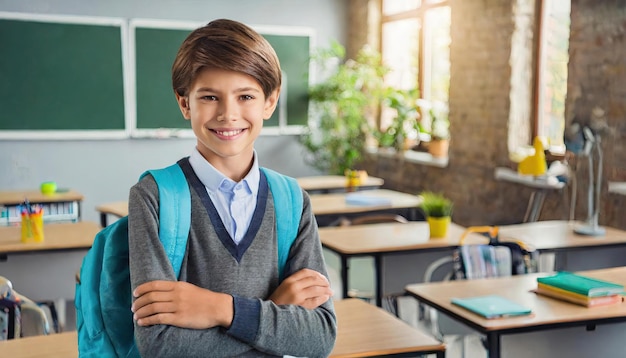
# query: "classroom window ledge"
[410,156]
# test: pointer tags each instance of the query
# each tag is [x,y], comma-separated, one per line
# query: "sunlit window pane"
[553,71]
[396,6]
[437,51]
[400,52]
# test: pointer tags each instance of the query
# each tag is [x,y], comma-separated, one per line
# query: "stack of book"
[582,290]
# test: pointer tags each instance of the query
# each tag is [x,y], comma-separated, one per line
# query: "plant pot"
[438,148]
[438,226]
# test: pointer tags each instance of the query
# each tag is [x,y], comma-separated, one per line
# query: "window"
[416,46]
[552,72]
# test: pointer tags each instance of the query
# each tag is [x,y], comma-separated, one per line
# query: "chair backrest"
[29,319]
[375,219]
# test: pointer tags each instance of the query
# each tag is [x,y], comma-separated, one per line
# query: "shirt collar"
[213,179]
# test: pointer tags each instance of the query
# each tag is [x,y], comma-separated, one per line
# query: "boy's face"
[227,110]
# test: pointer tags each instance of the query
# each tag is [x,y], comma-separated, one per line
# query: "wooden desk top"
[35,196]
[365,330]
[329,182]
[119,208]
[335,203]
[389,237]
[62,345]
[57,236]
[546,311]
[560,235]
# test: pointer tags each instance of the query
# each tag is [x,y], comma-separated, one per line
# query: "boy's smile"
[226,110]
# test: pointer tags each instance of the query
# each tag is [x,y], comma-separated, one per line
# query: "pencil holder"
[32,227]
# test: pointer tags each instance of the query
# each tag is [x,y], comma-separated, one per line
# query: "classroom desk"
[17,197]
[46,271]
[324,205]
[62,345]
[573,251]
[548,313]
[119,209]
[57,237]
[364,330]
[378,240]
[328,183]
[328,207]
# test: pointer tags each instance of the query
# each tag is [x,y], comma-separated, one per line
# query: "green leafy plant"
[438,116]
[405,122]
[435,204]
[343,108]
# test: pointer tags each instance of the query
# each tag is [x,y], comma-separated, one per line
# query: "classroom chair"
[35,316]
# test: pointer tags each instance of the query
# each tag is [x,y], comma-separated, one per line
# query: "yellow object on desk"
[534,164]
[32,226]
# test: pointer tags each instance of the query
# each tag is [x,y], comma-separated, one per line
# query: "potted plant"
[343,108]
[437,116]
[404,126]
[438,211]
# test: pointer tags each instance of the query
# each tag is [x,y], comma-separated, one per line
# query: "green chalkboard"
[60,76]
[156,105]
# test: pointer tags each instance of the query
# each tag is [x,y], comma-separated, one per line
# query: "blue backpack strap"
[174,212]
[287,196]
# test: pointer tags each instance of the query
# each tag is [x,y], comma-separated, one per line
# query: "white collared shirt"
[235,201]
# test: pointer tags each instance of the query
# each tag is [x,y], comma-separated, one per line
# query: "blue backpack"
[103,295]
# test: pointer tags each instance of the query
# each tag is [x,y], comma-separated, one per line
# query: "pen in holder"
[32,223]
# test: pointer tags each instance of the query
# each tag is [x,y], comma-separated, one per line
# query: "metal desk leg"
[344,275]
[379,280]
[103,219]
[493,345]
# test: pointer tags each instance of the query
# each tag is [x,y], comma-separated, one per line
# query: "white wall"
[103,170]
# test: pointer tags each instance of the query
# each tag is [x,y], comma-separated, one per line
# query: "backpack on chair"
[103,295]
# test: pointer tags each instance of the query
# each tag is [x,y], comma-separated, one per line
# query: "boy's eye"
[209,98]
[246,97]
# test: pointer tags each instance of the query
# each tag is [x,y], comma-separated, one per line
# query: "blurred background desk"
[46,271]
[117,209]
[323,184]
[571,251]
[62,206]
[328,208]
[62,345]
[382,241]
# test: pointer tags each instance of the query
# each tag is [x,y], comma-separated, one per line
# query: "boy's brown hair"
[227,45]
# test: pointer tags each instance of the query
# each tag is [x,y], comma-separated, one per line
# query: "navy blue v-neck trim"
[237,251]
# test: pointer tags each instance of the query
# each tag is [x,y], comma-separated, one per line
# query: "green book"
[492,306]
[583,285]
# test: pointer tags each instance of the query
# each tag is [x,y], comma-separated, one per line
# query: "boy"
[229,300]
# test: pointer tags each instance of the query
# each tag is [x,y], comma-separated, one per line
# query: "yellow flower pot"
[438,226]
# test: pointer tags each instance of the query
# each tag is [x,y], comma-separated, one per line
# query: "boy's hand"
[181,304]
[306,288]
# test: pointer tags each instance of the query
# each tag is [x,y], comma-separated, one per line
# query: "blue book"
[492,306]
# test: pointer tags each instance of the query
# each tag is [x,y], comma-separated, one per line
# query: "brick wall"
[486,35]
[597,77]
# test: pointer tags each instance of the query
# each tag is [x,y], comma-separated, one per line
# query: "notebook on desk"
[365,200]
[492,306]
